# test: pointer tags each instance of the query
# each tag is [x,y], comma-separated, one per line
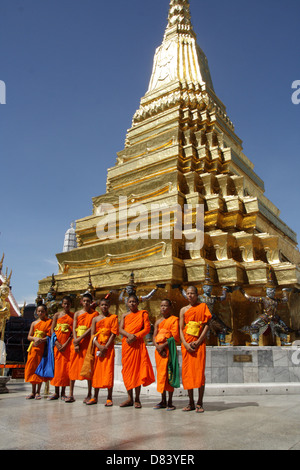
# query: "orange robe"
[137,368]
[193,364]
[103,375]
[35,354]
[166,329]
[63,331]
[84,321]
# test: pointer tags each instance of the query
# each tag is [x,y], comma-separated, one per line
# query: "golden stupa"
[182,150]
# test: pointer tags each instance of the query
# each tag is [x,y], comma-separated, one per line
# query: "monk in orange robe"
[62,326]
[193,326]
[103,332]
[166,326]
[38,335]
[81,338]
[137,368]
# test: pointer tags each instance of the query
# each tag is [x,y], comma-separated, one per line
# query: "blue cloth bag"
[46,366]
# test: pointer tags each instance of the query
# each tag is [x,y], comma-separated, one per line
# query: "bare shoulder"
[77,313]
[96,319]
[159,320]
[124,315]
[183,310]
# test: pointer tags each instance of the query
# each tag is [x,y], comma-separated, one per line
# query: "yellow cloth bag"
[81,330]
[37,334]
[194,328]
[64,327]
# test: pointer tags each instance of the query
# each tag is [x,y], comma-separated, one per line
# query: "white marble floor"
[256,422]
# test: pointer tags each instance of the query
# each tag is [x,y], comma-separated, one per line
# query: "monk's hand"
[58,345]
[195,345]
[190,347]
[103,353]
[161,350]
[131,339]
[101,350]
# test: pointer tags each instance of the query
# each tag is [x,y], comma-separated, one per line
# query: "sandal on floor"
[69,400]
[108,403]
[30,397]
[53,397]
[159,406]
[92,401]
[199,409]
[137,405]
[171,408]
[188,408]
[37,396]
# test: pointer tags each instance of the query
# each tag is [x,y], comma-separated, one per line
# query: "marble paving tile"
[219,375]
[281,374]
[235,375]
[280,357]
[250,374]
[265,358]
[266,374]
[218,359]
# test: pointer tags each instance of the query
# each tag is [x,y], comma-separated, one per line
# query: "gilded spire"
[179,13]
[179,58]
[180,74]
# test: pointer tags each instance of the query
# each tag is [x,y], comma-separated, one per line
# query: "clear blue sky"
[75,71]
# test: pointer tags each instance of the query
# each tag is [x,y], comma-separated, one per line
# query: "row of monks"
[81,346]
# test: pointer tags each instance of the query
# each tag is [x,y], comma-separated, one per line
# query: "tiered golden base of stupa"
[182,149]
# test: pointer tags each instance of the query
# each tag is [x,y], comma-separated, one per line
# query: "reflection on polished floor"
[229,423]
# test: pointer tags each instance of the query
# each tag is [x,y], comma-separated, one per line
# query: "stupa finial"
[179,13]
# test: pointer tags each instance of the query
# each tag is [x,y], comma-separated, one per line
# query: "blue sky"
[75,71]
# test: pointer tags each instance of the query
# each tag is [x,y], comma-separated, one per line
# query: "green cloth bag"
[173,364]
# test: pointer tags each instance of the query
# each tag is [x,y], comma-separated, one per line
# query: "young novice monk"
[193,325]
[38,333]
[103,332]
[137,369]
[62,326]
[167,326]
[81,338]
